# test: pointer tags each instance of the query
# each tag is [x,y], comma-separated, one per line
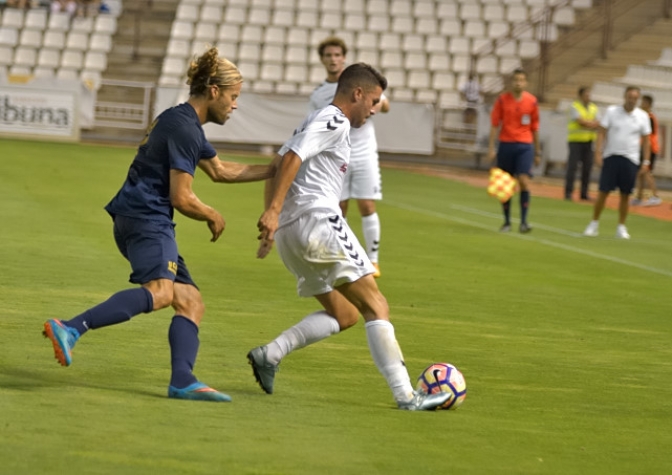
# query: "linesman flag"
[502,185]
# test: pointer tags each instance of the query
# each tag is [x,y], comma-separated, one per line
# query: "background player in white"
[317,246]
[362,181]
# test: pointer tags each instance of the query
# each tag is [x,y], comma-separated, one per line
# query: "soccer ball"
[444,377]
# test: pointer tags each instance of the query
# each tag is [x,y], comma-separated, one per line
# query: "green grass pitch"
[564,341]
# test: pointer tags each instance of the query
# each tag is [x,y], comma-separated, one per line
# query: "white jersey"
[364,144]
[624,131]
[323,144]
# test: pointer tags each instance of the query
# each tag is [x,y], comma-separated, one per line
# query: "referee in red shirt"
[517,113]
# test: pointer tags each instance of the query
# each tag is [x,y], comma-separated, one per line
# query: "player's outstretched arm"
[232,172]
[183,199]
[268,222]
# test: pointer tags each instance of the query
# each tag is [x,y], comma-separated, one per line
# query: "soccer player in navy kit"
[159,181]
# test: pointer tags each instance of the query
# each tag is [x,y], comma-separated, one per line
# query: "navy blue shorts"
[618,172]
[151,249]
[515,158]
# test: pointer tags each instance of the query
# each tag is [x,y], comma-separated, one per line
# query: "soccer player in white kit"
[316,244]
[362,180]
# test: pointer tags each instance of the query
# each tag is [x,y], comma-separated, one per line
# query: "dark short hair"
[648,98]
[360,75]
[583,89]
[632,88]
[519,71]
[332,41]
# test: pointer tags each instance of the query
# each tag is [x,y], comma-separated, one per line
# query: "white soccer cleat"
[622,232]
[593,229]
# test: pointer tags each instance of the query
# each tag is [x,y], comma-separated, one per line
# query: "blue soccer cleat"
[198,392]
[63,338]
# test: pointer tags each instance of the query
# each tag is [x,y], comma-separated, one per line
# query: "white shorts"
[322,252]
[362,181]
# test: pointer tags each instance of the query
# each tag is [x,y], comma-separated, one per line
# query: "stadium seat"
[77,41]
[182,30]
[316,74]
[508,48]
[487,64]
[369,56]
[377,7]
[229,33]
[59,22]
[396,78]
[481,45]
[507,65]
[283,17]
[84,25]
[262,87]
[210,14]
[286,88]
[528,49]
[235,15]
[391,60]
[470,11]
[6,55]
[403,25]
[12,18]
[331,20]
[426,96]
[205,32]
[251,34]
[286,4]
[43,72]
[564,16]
[178,48]
[296,55]
[366,40]
[439,62]
[305,89]
[53,39]
[272,53]
[36,19]
[459,45]
[401,8]
[435,44]
[443,81]
[271,72]
[413,42]
[474,29]
[347,36]
[493,12]
[249,69]
[402,95]
[259,16]
[390,42]
[249,52]
[25,56]
[550,35]
[426,26]
[461,63]
[95,61]
[306,19]
[447,11]
[65,73]
[353,6]
[449,100]
[49,58]
[72,60]
[497,29]
[100,42]
[424,9]
[187,12]
[379,23]
[9,36]
[228,50]
[415,61]
[274,35]
[354,22]
[295,73]
[418,79]
[19,70]
[171,81]
[297,37]
[105,24]
[262,3]
[30,38]
[516,13]
[307,5]
[317,35]
[450,27]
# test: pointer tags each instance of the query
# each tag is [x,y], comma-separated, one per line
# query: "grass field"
[564,341]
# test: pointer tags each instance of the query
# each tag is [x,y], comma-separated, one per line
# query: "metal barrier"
[124,115]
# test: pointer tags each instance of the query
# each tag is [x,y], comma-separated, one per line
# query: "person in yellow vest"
[581,133]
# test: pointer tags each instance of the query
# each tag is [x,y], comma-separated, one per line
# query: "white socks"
[371,230]
[315,327]
[388,358]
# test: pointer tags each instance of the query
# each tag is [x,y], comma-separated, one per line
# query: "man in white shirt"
[471,95]
[316,244]
[362,181]
[624,127]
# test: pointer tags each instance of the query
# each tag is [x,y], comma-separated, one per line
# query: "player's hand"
[537,158]
[267,224]
[265,247]
[491,156]
[216,225]
[598,159]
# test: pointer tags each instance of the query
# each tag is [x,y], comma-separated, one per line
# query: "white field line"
[528,237]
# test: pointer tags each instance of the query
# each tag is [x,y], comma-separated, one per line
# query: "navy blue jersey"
[175,141]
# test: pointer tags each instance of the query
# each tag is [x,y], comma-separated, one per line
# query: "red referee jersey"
[518,118]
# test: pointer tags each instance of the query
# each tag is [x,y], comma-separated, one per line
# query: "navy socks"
[183,339]
[119,308]
[524,205]
[507,212]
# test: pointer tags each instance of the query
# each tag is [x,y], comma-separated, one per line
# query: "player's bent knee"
[162,292]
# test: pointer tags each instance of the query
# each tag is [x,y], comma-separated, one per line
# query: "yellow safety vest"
[576,133]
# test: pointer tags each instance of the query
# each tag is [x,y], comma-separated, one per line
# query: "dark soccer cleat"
[426,402]
[198,392]
[63,338]
[264,372]
[524,228]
